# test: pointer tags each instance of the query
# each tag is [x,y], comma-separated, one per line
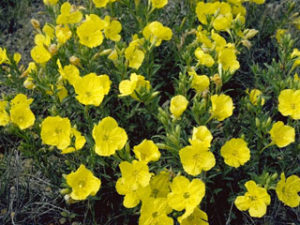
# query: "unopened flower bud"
[28,84]
[217,80]
[154,94]
[69,200]
[105,52]
[74,60]
[250,33]
[268,121]
[246,43]
[257,122]
[177,129]
[127,148]
[205,93]
[274,176]
[36,24]
[113,55]
[64,191]
[53,49]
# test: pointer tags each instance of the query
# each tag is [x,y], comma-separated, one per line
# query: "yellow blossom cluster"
[17,112]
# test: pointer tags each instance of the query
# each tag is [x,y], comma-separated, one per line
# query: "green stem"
[86,116]
[265,147]
[209,119]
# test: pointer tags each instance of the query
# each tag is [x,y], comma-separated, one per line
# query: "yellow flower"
[90,31]
[49,31]
[42,40]
[83,183]
[256,200]
[160,185]
[135,174]
[222,22]
[146,151]
[100,3]
[198,217]
[74,60]
[50,2]
[178,105]
[31,68]
[186,195]
[287,190]
[154,211]
[28,83]
[227,58]
[136,84]
[17,57]
[91,88]
[78,143]
[63,34]
[255,96]
[200,83]
[134,55]
[220,10]
[22,116]
[79,139]
[222,106]
[295,53]
[289,103]
[202,10]
[68,14]
[159,3]
[155,32]
[202,136]
[113,29]
[202,37]
[108,137]
[113,56]
[258,1]
[69,72]
[204,58]
[56,131]
[40,54]
[282,135]
[133,194]
[4,117]
[195,158]
[62,92]
[21,99]
[279,34]
[235,152]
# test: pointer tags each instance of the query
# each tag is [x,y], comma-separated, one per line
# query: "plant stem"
[265,147]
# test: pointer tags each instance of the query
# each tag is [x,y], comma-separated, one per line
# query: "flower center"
[105,137]
[196,156]
[81,184]
[88,94]
[186,195]
[293,106]
[155,192]
[155,214]
[58,131]
[135,173]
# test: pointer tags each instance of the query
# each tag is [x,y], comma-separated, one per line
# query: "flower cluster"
[19,113]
